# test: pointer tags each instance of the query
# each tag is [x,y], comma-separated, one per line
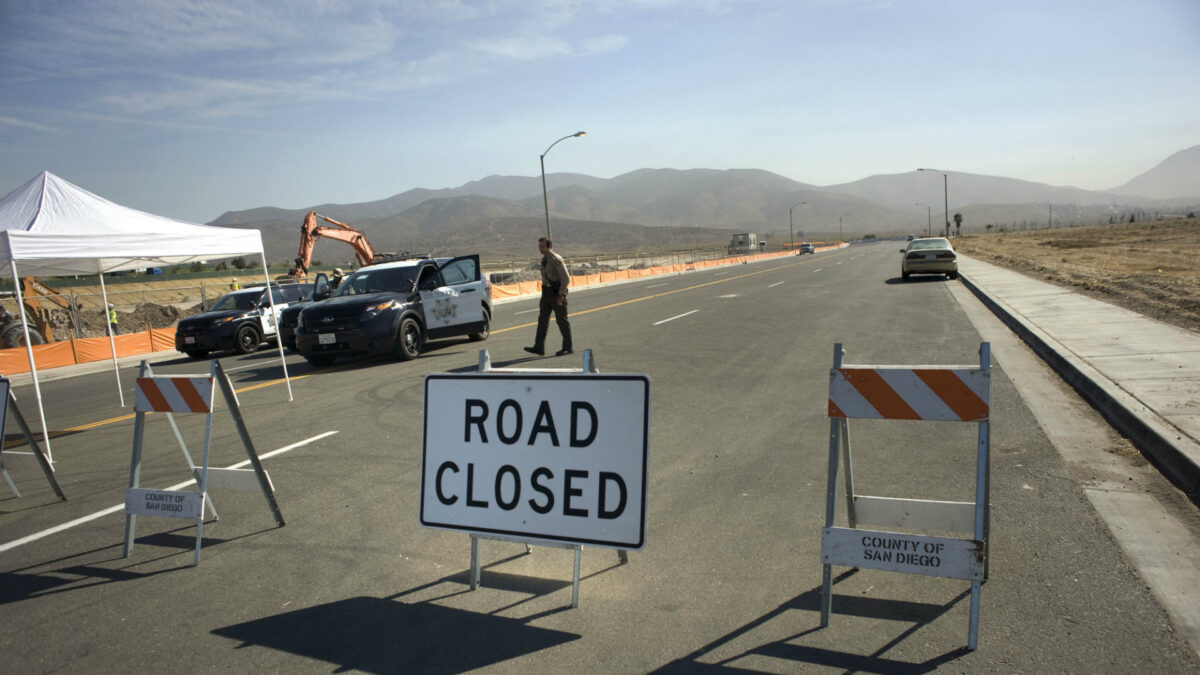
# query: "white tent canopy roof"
[53,228]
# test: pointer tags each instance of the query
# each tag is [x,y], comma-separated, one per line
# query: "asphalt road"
[730,574]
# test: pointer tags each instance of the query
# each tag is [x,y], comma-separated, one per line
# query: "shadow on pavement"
[378,635]
[789,648]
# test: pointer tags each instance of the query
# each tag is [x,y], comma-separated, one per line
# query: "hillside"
[699,201]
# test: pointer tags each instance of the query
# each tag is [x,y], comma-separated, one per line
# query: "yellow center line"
[656,295]
[271,383]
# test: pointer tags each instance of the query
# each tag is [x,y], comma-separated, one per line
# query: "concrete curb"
[1163,444]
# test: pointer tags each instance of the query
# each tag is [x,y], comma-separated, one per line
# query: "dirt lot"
[1149,268]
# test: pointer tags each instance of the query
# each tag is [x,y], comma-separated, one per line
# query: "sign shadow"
[379,635]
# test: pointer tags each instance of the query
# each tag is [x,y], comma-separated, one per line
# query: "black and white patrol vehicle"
[394,308]
[239,321]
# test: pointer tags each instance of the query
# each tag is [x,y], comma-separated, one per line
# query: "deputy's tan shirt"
[554,271]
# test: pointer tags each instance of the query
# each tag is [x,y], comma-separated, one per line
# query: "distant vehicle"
[911,237]
[806,247]
[239,321]
[929,255]
[394,307]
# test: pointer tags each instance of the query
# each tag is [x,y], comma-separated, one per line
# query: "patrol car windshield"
[236,301]
[367,280]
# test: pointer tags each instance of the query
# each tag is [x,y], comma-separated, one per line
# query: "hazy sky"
[189,109]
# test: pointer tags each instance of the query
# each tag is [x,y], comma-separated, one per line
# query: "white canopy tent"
[49,227]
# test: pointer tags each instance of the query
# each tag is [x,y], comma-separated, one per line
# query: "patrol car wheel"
[246,340]
[409,339]
[483,332]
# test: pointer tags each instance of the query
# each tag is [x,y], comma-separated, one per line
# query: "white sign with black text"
[539,456]
[164,503]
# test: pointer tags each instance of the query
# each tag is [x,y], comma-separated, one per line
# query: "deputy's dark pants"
[549,304]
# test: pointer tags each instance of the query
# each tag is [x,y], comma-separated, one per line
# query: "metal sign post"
[931,393]
[189,394]
[10,403]
[548,457]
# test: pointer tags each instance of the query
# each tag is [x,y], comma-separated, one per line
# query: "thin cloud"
[26,124]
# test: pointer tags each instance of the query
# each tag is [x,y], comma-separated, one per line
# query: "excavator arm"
[364,253]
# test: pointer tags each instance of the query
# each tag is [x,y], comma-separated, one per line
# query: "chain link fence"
[79,312]
[83,314]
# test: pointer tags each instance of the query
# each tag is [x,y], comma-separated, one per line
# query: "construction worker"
[336,279]
[112,320]
[235,286]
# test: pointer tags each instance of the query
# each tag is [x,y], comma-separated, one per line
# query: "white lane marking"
[775,284]
[526,311]
[121,507]
[657,285]
[717,274]
[817,270]
[674,317]
[237,368]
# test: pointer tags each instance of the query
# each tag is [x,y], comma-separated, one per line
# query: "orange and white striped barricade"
[10,403]
[189,394]
[925,393]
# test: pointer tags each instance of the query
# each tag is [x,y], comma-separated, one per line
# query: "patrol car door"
[268,321]
[456,297]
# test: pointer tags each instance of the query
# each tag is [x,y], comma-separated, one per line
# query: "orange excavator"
[33,292]
[310,232]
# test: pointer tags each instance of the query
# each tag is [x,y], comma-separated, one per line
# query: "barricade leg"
[830,500]
[43,461]
[575,578]
[851,512]
[8,479]
[474,573]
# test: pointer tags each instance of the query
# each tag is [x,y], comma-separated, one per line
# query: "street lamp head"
[577,134]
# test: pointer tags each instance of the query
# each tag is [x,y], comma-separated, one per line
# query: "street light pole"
[841,237]
[542,159]
[945,196]
[791,229]
[928,219]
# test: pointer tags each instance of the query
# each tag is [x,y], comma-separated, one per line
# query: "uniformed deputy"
[555,280]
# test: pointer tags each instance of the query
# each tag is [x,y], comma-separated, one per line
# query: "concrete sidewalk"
[1141,374]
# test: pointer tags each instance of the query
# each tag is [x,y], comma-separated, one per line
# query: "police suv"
[394,307]
[238,321]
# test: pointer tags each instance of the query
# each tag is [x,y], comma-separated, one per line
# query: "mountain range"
[502,216]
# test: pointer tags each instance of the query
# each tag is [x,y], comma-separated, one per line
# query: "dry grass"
[1149,268]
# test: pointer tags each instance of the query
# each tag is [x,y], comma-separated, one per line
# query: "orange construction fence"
[86,350]
[528,287]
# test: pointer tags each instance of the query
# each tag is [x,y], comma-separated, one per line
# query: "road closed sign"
[537,456]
